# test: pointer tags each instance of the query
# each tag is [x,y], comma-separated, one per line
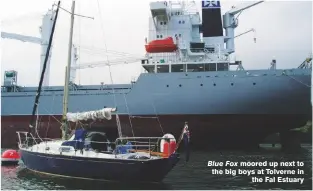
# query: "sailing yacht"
[88,154]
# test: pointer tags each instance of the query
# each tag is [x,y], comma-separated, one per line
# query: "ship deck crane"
[230,23]
[45,31]
[23,38]
[43,41]
[105,63]
[307,63]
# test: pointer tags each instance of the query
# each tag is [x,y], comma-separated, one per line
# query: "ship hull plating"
[205,130]
[222,108]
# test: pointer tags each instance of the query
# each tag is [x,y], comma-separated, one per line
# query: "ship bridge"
[180,40]
[174,43]
[160,10]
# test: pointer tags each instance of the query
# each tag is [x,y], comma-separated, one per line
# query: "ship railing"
[122,145]
[172,58]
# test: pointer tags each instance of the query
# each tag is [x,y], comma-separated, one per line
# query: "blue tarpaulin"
[79,138]
[122,149]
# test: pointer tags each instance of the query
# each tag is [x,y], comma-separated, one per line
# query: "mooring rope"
[297,80]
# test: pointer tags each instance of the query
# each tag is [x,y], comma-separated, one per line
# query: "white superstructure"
[201,45]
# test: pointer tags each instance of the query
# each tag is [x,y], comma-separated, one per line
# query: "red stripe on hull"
[205,130]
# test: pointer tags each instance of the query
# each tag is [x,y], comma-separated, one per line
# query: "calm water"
[193,175]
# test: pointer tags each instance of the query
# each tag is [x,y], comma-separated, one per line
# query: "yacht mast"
[65,124]
[43,70]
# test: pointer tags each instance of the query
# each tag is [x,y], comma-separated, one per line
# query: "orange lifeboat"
[164,45]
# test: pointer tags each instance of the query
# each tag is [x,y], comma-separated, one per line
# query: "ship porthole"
[214,84]
[201,84]
[167,85]
[254,83]
[232,84]
[179,85]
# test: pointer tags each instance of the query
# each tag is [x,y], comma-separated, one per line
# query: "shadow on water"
[60,183]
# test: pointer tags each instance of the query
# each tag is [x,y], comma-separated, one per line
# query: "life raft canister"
[167,148]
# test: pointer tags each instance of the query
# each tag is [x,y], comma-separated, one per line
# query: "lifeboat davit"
[163,45]
[10,157]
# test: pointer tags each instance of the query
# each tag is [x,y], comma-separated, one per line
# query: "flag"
[186,137]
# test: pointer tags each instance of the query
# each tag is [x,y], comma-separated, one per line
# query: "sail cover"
[105,113]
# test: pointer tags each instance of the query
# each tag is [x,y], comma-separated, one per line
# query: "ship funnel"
[211,19]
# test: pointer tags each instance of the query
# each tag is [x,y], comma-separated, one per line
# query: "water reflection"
[54,182]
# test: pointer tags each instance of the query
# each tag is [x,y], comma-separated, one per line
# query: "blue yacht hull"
[99,169]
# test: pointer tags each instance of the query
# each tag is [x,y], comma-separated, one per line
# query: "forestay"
[105,113]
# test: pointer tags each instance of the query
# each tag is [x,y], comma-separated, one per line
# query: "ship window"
[210,49]
[183,22]
[161,36]
[175,35]
[179,22]
[179,35]
[164,23]
[161,23]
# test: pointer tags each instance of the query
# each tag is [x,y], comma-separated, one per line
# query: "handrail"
[121,138]
[136,144]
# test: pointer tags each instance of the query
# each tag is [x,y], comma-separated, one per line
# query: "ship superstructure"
[175,42]
[188,78]
[180,40]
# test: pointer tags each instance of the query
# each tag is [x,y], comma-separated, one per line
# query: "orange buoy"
[10,157]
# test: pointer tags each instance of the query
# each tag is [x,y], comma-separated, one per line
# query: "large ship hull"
[225,131]
[222,108]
